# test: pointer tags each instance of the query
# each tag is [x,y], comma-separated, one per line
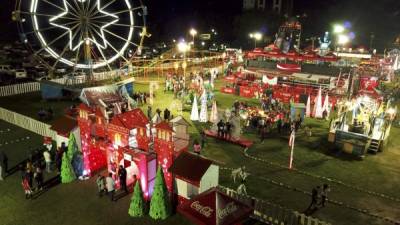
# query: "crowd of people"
[107,185]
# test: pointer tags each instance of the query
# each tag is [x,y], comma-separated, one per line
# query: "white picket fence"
[17,89]
[27,123]
[23,88]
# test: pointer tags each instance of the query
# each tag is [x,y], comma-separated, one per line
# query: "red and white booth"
[193,175]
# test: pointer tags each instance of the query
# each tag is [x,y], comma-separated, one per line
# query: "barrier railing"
[273,214]
[27,123]
[17,89]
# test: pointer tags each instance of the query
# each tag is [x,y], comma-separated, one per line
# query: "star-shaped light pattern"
[85,27]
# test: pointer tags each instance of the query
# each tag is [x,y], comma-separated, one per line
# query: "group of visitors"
[166,113]
[107,185]
[224,129]
[140,97]
[319,198]
[31,172]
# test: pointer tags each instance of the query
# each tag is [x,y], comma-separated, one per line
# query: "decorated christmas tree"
[203,108]
[194,116]
[72,146]
[137,207]
[160,207]
[67,172]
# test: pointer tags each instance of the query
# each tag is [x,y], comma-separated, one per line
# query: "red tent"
[215,208]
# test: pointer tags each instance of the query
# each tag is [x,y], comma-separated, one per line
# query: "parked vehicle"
[6,69]
[21,73]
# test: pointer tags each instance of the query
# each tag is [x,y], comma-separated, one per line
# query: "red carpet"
[242,142]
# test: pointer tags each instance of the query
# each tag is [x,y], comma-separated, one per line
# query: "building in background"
[283,7]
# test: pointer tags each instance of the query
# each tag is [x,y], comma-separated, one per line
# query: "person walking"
[110,184]
[27,188]
[47,159]
[203,138]
[324,194]
[38,175]
[100,185]
[122,178]
[3,165]
[314,199]
[196,147]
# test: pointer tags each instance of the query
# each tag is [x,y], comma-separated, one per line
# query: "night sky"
[171,18]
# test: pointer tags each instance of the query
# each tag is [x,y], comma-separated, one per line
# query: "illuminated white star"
[90,38]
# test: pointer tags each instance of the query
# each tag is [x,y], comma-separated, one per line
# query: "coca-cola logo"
[229,209]
[203,210]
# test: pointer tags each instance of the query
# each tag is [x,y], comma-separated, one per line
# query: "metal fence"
[27,123]
[17,89]
[273,214]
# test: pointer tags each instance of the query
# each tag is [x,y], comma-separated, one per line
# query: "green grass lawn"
[314,164]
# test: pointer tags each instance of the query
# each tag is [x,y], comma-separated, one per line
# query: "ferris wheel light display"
[85,34]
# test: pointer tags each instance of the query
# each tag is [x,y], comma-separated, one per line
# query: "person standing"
[228,127]
[38,178]
[47,159]
[203,138]
[3,165]
[100,185]
[27,188]
[221,126]
[110,184]
[196,147]
[122,178]
[29,173]
[324,194]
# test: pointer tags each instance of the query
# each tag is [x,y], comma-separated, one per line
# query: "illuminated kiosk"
[203,175]
[363,125]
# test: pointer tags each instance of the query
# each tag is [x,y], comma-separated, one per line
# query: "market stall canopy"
[215,208]
[108,94]
[288,67]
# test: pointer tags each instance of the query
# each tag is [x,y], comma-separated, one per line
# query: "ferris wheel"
[83,34]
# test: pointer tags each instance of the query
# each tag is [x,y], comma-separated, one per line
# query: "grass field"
[360,189]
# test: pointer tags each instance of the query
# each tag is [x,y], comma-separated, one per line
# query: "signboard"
[205,37]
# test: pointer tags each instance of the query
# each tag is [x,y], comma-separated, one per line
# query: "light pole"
[193,32]
[256,36]
[183,47]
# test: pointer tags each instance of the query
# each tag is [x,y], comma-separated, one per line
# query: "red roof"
[215,208]
[131,119]
[190,167]
[99,113]
[164,126]
[64,125]
[83,106]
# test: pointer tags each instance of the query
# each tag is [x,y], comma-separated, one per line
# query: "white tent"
[194,115]
[308,107]
[326,104]
[318,105]
[214,113]
[203,108]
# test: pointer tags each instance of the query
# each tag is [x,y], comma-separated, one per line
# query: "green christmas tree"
[67,172]
[137,207]
[72,146]
[160,206]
